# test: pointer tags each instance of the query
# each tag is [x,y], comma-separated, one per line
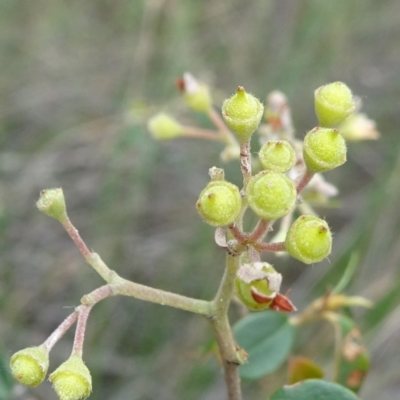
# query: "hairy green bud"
[242,113]
[72,379]
[219,203]
[309,239]
[324,149]
[29,366]
[196,94]
[164,127]
[271,195]
[52,203]
[333,103]
[277,155]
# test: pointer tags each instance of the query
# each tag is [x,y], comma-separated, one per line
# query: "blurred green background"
[78,81]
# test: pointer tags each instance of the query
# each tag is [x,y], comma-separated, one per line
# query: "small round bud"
[164,127]
[277,155]
[197,95]
[72,380]
[29,366]
[52,203]
[309,239]
[333,103]
[271,195]
[242,113]
[324,149]
[257,285]
[219,203]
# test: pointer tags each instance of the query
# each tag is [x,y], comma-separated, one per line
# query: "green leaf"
[267,337]
[314,389]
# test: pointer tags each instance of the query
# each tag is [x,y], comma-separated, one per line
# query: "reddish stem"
[218,122]
[74,235]
[240,236]
[259,231]
[194,132]
[80,329]
[60,330]
[304,180]
[279,246]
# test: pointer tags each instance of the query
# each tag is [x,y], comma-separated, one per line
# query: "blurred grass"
[70,73]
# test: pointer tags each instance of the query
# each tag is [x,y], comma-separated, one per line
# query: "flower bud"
[359,127]
[52,203]
[197,95]
[164,127]
[271,195]
[29,366]
[257,285]
[277,155]
[72,380]
[242,113]
[333,103]
[219,203]
[324,149]
[309,239]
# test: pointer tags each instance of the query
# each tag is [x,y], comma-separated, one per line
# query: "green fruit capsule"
[52,203]
[333,103]
[271,195]
[309,239]
[324,149]
[72,379]
[29,366]
[219,203]
[242,113]
[164,127]
[277,155]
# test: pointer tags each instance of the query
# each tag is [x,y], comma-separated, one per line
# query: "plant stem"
[237,233]
[80,329]
[194,132]
[227,349]
[223,130]
[260,230]
[279,246]
[222,329]
[60,330]
[92,258]
[245,161]
[216,310]
[146,293]
[304,180]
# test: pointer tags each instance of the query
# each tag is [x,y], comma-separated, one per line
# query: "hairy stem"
[92,258]
[146,293]
[222,329]
[245,161]
[237,233]
[260,230]
[279,246]
[80,329]
[60,330]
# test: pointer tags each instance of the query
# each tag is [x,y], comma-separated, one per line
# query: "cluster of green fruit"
[271,194]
